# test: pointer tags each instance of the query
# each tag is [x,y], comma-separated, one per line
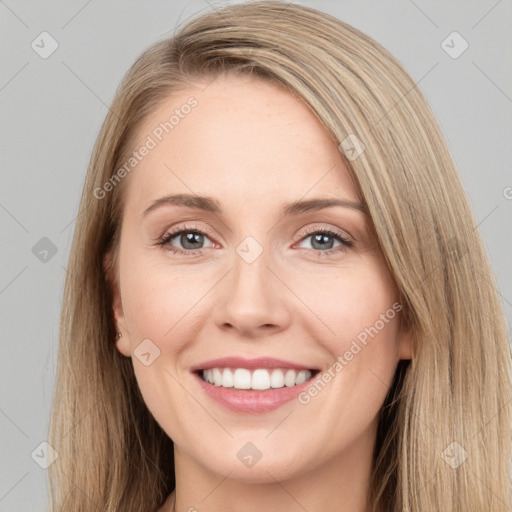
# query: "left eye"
[325,240]
[189,240]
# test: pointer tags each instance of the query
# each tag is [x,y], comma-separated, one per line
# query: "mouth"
[252,385]
[259,379]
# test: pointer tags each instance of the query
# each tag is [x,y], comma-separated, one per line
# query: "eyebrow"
[210,204]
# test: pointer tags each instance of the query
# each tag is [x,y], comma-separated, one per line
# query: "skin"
[253,147]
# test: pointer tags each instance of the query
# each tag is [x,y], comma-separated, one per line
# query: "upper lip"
[255,363]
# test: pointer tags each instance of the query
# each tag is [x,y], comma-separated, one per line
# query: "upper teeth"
[261,379]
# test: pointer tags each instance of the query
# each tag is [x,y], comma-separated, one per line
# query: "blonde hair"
[456,388]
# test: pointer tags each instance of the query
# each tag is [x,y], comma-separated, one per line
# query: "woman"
[277,296]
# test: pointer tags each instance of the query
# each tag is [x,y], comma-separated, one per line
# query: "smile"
[259,379]
[252,386]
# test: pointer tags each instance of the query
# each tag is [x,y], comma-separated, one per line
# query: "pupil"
[323,240]
[191,238]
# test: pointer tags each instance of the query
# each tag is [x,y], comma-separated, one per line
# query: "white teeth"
[208,376]
[260,379]
[302,377]
[289,378]
[277,379]
[228,380]
[217,377]
[242,378]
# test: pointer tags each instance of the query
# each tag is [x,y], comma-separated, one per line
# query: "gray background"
[52,109]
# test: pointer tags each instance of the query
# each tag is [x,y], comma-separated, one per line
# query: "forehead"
[244,138]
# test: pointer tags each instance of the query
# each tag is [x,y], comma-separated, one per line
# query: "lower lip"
[245,401]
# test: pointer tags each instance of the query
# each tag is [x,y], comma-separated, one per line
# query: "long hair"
[443,441]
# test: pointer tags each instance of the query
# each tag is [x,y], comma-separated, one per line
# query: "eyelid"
[319,228]
[185,227]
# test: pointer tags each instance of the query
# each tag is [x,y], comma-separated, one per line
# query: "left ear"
[123,343]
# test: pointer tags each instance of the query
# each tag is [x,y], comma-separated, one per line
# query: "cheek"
[148,305]
[160,305]
[356,321]
[345,301]
[158,298]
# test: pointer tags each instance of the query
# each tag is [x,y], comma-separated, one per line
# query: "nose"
[252,301]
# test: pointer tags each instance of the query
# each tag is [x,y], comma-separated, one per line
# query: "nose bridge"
[250,286]
[252,298]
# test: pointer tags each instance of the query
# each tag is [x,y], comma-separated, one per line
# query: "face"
[242,274]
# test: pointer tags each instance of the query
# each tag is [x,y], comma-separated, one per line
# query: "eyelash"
[166,239]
